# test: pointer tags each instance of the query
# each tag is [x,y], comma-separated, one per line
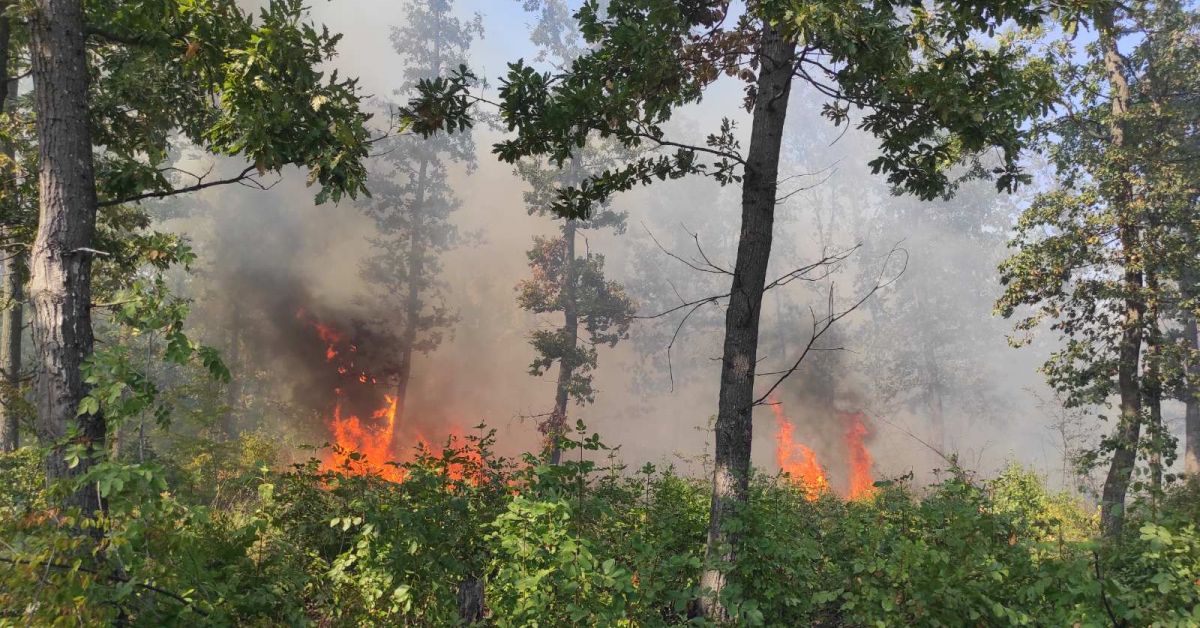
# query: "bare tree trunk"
[1152,379]
[1191,453]
[60,286]
[734,428]
[557,424]
[12,294]
[1116,484]
[12,268]
[412,303]
[233,391]
[470,600]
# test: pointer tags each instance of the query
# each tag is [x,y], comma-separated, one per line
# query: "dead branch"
[832,316]
[703,265]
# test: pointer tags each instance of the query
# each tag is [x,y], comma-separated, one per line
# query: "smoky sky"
[926,344]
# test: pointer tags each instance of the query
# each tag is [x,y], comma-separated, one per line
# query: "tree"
[411,196]
[211,73]
[596,311]
[15,226]
[564,282]
[1102,253]
[928,92]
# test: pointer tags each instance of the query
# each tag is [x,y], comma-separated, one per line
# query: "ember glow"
[801,464]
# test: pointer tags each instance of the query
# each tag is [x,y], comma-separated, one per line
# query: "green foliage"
[927,89]
[212,535]
[230,82]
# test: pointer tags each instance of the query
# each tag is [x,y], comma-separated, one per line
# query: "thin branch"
[242,177]
[822,325]
[707,267]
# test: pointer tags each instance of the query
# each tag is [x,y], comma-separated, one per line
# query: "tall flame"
[861,482]
[796,459]
[368,447]
[362,449]
[800,462]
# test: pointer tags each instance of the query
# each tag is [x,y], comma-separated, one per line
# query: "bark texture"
[1128,432]
[734,428]
[1191,452]
[12,268]
[61,259]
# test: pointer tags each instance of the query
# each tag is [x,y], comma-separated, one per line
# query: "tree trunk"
[734,428]
[412,303]
[233,391]
[1112,501]
[1152,389]
[557,424]
[470,600]
[60,286]
[12,268]
[1191,424]
[12,294]
[416,264]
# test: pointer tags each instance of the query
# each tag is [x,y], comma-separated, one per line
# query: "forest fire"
[362,449]
[365,440]
[801,464]
[861,482]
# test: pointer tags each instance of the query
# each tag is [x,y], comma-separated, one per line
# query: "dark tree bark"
[60,286]
[1128,432]
[12,268]
[233,391]
[1152,395]
[470,600]
[1191,424]
[412,303]
[734,429]
[566,366]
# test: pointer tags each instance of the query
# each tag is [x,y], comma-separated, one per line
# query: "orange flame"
[368,447]
[802,465]
[796,459]
[361,449]
[861,483]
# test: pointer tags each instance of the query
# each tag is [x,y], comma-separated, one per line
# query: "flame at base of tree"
[361,448]
[802,466]
[367,445]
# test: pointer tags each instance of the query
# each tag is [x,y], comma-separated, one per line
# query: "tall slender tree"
[564,281]
[412,198]
[16,222]
[1101,254]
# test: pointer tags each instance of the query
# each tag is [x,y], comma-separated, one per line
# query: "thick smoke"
[923,358]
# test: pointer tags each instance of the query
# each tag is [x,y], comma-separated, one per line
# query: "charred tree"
[413,200]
